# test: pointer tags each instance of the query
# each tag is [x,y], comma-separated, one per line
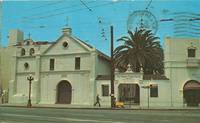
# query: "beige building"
[182,67]
[69,71]
[64,71]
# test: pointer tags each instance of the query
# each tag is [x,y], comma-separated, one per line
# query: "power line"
[69,11]
[58,9]
[148,4]
[49,4]
[86,6]
[28,19]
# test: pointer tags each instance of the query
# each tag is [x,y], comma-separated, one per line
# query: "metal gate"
[129,93]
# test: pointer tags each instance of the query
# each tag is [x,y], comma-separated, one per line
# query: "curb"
[91,108]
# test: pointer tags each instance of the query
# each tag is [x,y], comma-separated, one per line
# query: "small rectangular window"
[154,90]
[52,62]
[77,63]
[191,52]
[105,90]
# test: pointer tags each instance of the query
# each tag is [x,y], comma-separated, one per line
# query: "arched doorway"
[64,92]
[129,93]
[191,93]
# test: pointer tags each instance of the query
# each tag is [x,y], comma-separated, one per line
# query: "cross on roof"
[67,22]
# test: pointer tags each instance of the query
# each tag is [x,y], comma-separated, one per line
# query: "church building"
[64,71]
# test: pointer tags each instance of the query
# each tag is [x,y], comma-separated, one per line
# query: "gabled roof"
[100,54]
[103,56]
[83,44]
[87,47]
[52,44]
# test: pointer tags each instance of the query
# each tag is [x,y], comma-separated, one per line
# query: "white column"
[13,82]
[37,79]
[13,73]
[93,88]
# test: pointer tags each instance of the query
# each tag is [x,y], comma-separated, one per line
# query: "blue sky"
[45,19]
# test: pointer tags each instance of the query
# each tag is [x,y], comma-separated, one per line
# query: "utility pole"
[148,96]
[112,69]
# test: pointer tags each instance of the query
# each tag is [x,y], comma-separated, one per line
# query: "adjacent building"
[179,87]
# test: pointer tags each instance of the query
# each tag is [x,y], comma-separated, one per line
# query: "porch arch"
[191,93]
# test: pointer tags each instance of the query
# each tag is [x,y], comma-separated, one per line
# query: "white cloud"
[115,0]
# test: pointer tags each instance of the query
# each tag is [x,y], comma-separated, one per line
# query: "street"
[49,115]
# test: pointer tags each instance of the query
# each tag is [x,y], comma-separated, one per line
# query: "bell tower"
[15,36]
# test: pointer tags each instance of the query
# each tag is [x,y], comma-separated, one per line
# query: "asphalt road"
[44,115]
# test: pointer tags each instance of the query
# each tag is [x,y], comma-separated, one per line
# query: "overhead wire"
[69,11]
[57,9]
[28,19]
[148,4]
[86,6]
[48,4]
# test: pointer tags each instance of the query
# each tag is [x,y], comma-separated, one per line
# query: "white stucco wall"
[66,62]
[176,65]
[78,80]
[20,64]
[164,94]
[105,67]
[105,100]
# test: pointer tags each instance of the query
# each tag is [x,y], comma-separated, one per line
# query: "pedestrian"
[97,101]
[1,96]
[115,102]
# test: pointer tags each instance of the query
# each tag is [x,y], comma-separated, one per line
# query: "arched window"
[23,52]
[32,51]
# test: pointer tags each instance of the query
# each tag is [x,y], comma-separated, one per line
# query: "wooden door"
[64,92]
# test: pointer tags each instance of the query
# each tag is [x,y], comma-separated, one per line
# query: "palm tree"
[140,49]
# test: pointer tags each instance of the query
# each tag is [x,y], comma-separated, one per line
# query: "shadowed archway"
[64,92]
[191,93]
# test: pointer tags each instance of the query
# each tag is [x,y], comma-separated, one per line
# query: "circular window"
[65,44]
[26,65]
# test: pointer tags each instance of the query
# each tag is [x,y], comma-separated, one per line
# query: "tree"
[142,50]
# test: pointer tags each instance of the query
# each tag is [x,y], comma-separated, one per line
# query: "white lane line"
[63,118]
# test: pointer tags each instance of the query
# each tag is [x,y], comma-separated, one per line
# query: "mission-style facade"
[70,71]
[64,71]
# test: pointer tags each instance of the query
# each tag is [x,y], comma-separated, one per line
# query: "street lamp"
[29,78]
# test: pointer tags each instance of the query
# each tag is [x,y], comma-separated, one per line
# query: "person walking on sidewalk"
[97,101]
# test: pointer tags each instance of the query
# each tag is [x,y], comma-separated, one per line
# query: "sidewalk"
[71,106]
[56,106]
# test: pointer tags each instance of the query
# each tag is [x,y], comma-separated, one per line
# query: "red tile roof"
[145,77]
